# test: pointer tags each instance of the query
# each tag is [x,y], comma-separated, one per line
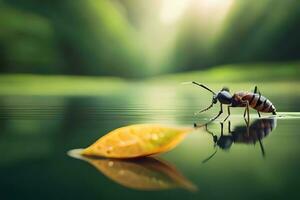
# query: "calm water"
[38,131]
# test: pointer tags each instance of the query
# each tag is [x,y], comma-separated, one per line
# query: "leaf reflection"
[141,174]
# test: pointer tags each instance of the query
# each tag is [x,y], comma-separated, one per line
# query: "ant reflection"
[247,134]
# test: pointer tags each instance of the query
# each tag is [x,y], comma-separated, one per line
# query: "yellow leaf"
[141,174]
[137,141]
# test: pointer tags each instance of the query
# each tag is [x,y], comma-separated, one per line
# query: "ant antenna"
[205,109]
[212,155]
[215,145]
[205,87]
[201,85]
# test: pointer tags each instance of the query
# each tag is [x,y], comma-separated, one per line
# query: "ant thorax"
[224,97]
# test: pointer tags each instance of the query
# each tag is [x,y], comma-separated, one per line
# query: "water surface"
[38,131]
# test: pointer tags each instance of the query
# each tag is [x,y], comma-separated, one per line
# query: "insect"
[256,132]
[239,99]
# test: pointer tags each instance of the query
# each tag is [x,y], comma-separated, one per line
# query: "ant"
[257,131]
[239,99]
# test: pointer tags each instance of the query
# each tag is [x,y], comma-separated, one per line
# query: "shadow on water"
[147,173]
[243,134]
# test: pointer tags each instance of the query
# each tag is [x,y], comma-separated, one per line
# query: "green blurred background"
[138,39]
[73,70]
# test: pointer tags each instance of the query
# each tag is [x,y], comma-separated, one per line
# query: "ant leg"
[257,91]
[258,113]
[229,127]
[228,111]
[218,115]
[215,138]
[222,128]
[212,119]
[248,118]
[262,148]
[206,128]
[247,111]
[248,129]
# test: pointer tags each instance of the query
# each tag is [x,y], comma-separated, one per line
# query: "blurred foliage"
[131,38]
[263,72]
[58,85]
[265,31]
[83,37]
[285,76]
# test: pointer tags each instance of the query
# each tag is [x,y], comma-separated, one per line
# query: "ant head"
[225,89]
[215,138]
[215,99]
[225,142]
